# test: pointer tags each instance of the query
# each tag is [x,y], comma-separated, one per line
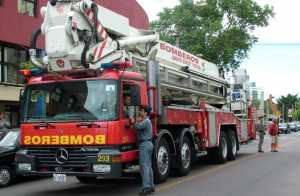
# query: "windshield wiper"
[68,117]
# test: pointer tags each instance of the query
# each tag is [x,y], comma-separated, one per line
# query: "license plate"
[101,168]
[60,178]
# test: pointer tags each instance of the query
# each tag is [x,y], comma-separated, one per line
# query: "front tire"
[86,180]
[162,161]
[7,176]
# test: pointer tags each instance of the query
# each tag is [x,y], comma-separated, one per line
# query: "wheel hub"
[163,160]
[224,147]
[185,155]
[234,145]
[4,176]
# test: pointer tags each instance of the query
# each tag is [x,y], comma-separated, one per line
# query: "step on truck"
[74,120]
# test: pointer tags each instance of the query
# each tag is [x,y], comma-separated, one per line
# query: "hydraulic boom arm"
[75,37]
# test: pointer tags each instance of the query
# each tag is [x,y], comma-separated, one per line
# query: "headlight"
[101,168]
[24,166]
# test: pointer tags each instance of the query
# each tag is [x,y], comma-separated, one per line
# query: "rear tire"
[162,161]
[184,159]
[219,154]
[232,145]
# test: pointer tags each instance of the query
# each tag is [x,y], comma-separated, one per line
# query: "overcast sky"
[283,28]
[274,68]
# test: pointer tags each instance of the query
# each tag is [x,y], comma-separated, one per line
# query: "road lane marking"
[214,169]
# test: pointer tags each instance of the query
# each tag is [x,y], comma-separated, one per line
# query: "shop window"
[12,114]
[12,60]
[27,7]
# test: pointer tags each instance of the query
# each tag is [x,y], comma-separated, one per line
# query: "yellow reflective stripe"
[64,140]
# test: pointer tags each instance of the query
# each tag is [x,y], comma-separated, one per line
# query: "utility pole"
[283,112]
[268,110]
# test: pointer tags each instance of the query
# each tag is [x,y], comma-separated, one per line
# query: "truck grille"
[77,159]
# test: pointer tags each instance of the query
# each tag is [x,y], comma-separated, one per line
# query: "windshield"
[70,101]
[10,139]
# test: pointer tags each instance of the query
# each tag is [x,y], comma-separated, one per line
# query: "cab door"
[130,100]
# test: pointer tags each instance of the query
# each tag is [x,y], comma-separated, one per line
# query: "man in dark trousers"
[143,127]
[261,131]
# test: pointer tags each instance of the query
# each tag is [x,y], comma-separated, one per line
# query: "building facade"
[18,19]
[257,96]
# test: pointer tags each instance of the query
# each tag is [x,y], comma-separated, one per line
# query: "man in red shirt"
[273,131]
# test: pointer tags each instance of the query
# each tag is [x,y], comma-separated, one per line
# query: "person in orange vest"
[273,131]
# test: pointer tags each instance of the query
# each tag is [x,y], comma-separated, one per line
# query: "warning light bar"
[31,72]
[116,65]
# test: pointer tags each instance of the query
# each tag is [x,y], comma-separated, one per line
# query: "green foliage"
[220,30]
[256,103]
[27,65]
[268,108]
[296,113]
[287,102]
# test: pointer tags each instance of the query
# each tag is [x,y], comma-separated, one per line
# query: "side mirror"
[21,94]
[21,99]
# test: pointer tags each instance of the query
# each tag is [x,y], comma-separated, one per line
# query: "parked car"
[292,126]
[297,125]
[2,134]
[284,128]
[8,147]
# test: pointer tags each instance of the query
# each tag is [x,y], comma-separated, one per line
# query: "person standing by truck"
[261,130]
[143,126]
[273,131]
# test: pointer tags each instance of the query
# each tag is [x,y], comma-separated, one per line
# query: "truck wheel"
[6,176]
[232,145]
[220,153]
[86,180]
[162,162]
[184,160]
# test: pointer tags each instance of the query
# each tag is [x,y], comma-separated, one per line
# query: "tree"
[256,103]
[296,113]
[220,30]
[287,102]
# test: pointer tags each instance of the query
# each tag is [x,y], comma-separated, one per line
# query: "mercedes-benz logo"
[62,156]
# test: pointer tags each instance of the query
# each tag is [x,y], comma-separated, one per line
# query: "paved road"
[275,174]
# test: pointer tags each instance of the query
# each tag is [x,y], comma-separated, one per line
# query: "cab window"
[131,100]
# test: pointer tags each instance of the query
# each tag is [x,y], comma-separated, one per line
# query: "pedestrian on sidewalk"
[261,131]
[273,131]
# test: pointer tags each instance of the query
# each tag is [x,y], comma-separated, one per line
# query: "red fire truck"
[74,120]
